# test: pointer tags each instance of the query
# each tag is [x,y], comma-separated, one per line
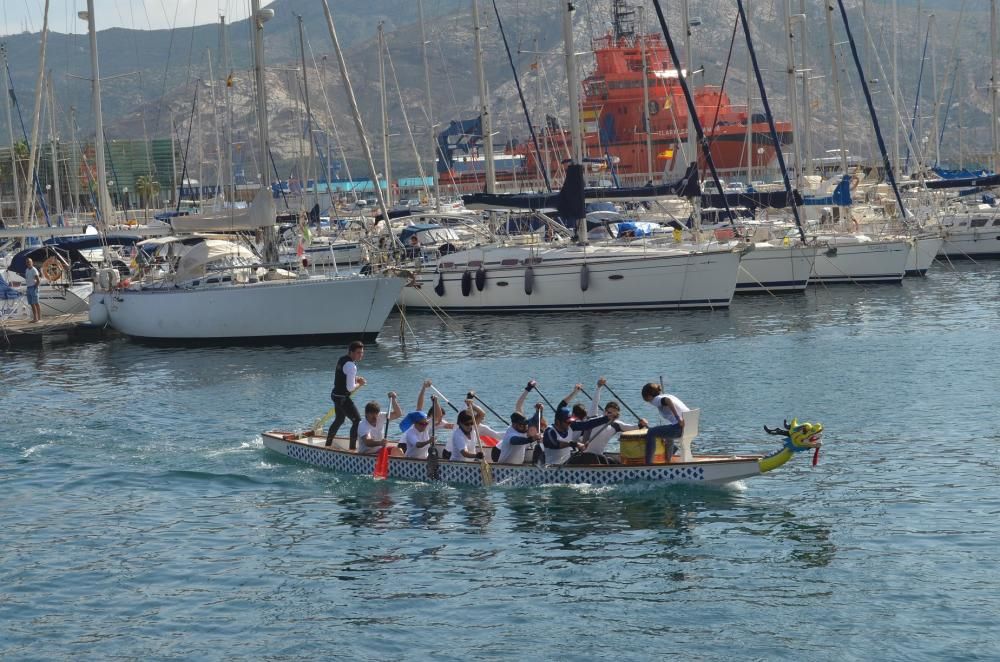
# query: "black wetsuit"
[344,404]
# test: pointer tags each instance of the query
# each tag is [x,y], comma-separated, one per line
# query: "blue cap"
[410,419]
[563,414]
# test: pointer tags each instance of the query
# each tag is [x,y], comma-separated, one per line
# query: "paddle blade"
[488,441]
[382,464]
[816,456]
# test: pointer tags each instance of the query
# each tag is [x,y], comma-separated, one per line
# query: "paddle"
[616,397]
[381,471]
[544,398]
[322,421]
[447,401]
[472,396]
[432,454]
[485,470]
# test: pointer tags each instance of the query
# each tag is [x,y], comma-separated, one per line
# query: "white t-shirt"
[411,437]
[374,432]
[664,410]
[351,371]
[602,435]
[509,453]
[458,443]
[31,277]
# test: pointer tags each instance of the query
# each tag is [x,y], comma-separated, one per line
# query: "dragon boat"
[684,467]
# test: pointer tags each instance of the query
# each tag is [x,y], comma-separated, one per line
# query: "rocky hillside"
[152,75]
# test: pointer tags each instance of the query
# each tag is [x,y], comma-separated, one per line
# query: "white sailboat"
[215,291]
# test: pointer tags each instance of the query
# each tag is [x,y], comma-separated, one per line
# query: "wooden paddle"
[326,417]
[381,471]
[432,454]
[485,470]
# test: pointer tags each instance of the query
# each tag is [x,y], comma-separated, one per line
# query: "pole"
[793,102]
[383,103]
[10,132]
[645,94]
[430,111]
[228,133]
[994,83]
[258,18]
[895,84]
[103,201]
[806,96]
[305,92]
[692,143]
[39,87]
[749,133]
[54,151]
[484,104]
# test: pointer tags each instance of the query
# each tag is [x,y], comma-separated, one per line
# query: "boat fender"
[831,252]
[529,280]
[52,269]
[439,288]
[584,278]
[480,279]
[466,283]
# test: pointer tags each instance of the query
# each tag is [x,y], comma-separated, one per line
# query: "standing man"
[31,280]
[345,382]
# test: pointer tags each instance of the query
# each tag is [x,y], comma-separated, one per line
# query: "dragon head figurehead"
[798,437]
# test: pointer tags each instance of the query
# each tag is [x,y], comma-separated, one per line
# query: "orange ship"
[613,119]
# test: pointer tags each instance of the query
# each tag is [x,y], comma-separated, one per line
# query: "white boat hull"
[318,307]
[769,268]
[971,243]
[859,263]
[616,278]
[709,470]
[922,254]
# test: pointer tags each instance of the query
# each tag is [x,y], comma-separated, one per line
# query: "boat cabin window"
[996,223]
[979,222]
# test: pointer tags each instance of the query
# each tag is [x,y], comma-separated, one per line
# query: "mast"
[261,16]
[937,105]
[39,87]
[994,83]
[895,86]
[10,132]
[484,104]
[227,175]
[356,114]
[383,105]
[219,189]
[835,80]
[544,165]
[645,93]
[54,151]
[806,96]
[692,144]
[309,135]
[430,112]
[103,201]
[793,102]
[749,132]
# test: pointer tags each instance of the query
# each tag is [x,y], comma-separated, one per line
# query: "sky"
[16,16]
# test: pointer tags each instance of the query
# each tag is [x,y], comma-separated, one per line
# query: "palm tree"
[148,190]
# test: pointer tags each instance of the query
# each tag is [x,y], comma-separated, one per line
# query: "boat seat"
[690,432]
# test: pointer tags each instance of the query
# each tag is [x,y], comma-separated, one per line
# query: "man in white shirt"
[672,411]
[417,436]
[345,381]
[462,445]
[515,440]
[371,429]
[31,281]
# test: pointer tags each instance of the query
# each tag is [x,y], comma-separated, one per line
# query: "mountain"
[150,77]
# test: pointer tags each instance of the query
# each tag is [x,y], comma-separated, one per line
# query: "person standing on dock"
[672,411]
[31,280]
[345,381]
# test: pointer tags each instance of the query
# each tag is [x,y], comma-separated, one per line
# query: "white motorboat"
[971,235]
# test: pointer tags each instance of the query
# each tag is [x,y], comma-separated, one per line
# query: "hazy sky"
[19,15]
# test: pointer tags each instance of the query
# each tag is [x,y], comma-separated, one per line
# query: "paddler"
[516,439]
[416,435]
[672,411]
[345,381]
[371,430]
[563,436]
[462,446]
[597,441]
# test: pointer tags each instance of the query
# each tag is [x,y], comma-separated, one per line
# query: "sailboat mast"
[430,111]
[54,151]
[793,102]
[309,134]
[383,105]
[484,104]
[994,83]
[895,87]
[39,87]
[806,96]
[10,132]
[259,17]
[936,142]
[692,143]
[749,132]
[645,93]
[835,81]
[228,132]
[103,201]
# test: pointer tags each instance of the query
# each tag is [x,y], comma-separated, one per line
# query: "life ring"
[855,180]
[52,269]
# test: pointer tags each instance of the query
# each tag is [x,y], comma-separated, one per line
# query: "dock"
[51,330]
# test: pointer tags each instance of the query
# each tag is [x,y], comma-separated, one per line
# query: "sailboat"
[214,290]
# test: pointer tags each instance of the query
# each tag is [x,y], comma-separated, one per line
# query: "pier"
[50,330]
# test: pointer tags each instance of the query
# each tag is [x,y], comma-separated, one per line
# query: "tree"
[148,191]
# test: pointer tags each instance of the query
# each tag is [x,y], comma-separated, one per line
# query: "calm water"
[142,518]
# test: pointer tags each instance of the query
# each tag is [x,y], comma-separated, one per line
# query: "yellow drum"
[633,448]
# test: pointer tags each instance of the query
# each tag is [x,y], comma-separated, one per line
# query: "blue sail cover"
[841,196]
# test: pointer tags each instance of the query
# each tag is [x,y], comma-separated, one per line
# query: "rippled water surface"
[142,517]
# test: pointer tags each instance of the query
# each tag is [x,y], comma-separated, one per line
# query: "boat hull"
[770,268]
[922,254]
[971,243]
[709,471]
[314,308]
[616,279]
[868,262]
